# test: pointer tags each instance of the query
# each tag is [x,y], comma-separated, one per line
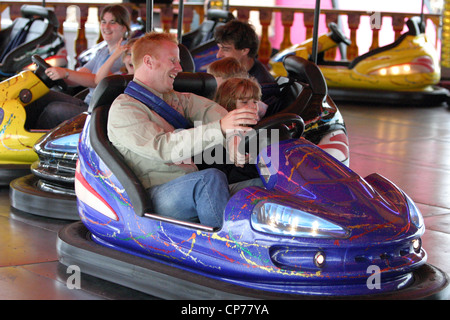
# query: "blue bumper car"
[316,230]
[49,189]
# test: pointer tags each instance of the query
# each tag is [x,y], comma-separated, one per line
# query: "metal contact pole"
[180,20]
[315,31]
[149,13]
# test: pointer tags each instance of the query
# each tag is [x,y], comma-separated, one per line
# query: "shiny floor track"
[408,145]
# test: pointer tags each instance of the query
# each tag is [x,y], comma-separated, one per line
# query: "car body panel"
[380,231]
[411,63]
[16,142]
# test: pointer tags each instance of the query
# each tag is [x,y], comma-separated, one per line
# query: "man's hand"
[239,120]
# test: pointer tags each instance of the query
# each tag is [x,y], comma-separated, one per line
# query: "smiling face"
[128,63]
[228,50]
[164,66]
[235,93]
[111,30]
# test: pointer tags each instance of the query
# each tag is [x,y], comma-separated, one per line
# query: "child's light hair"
[227,68]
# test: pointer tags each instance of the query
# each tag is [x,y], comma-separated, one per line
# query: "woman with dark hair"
[122,52]
[55,107]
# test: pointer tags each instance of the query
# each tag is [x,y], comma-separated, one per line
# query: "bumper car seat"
[205,32]
[303,83]
[201,42]
[49,190]
[37,27]
[106,92]
[415,27]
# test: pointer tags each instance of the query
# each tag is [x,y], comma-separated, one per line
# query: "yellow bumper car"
[16,137]
[405,71]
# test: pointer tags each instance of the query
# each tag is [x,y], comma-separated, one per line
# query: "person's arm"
[105,69]
[83,77]
[205,110]
[133,126]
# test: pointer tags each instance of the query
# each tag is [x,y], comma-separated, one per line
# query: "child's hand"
[236,157]
[120,48]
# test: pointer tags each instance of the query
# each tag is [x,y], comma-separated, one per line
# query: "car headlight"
[278,219]
[414,212]
[67,143]
[423,64]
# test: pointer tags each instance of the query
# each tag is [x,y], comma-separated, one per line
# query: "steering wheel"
[289,126]
[337,35]
[41,66]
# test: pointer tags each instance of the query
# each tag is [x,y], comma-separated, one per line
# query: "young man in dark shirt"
[239,40]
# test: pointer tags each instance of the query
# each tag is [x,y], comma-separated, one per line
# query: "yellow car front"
[411,65]
[16,142]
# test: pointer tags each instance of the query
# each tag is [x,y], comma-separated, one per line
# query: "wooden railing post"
[308,22]
[265,48]
[187,19]
[14,11]
[375,39]
[398,23]
[201,13]
[166,18]
[81,40]
[287,19]
[60,11]
[243,14]
[330,54]
[353,24]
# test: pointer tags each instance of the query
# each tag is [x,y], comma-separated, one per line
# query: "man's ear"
[245,51]
[148,60]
